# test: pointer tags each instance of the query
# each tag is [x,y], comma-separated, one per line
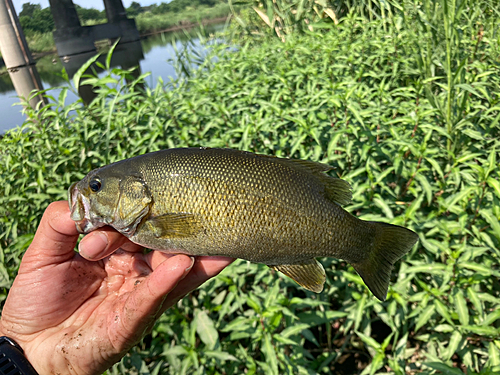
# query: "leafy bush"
[407,113]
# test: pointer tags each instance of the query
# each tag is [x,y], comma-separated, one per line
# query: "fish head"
[109,197]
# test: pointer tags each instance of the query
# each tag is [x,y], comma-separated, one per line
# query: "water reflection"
[153,54]
[125,55]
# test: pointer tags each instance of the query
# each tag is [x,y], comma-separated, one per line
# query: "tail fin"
[390,244]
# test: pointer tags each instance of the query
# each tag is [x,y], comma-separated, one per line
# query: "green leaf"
[223,356]
[377,363]
[175,350]
[493,355]
[479,269]
[455,340]
[368,340]
[384,207]
[445,328]
[444,368]
[426,187]
[270,354]
[206,329]
[483,330]
[77,76]
[308,335]
[490,318]
[495,185]
[424,317]
[492,162]
[443,311]
[294,329]
[360,311]
[436,166]
[433,268]
[461,307]
[474,298]
[492,220]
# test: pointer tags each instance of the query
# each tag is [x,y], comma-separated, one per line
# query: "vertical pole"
[17,56]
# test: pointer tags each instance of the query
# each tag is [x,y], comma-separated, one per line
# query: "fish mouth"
[80,211]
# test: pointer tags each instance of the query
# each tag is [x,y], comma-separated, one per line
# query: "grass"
[406,109]
[40,42]
[150,23]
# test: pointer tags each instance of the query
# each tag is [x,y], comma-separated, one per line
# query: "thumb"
[55,238]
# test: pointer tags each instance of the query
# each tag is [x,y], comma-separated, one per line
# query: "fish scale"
[280,212]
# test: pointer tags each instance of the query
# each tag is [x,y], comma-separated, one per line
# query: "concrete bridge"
[72,38]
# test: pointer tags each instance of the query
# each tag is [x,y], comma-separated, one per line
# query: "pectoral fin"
[174,225]
[310,274]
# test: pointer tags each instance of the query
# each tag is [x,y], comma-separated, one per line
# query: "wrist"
[22,344]
[12,358]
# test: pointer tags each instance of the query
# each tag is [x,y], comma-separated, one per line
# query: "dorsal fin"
[336,190]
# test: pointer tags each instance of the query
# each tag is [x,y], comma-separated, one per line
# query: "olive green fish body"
[280,212]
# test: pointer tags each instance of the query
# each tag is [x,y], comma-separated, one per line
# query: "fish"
[281,212]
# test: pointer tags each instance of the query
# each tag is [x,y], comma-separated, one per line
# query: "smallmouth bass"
[276,211]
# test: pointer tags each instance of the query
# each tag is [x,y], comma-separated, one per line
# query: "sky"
[98,4]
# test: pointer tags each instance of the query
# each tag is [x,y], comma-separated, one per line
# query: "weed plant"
[407,116]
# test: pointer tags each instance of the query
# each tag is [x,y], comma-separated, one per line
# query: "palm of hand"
[77,316]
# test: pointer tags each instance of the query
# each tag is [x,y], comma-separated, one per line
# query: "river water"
[152,54]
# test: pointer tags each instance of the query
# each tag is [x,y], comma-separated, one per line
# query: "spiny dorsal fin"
[173,225]
[310,274]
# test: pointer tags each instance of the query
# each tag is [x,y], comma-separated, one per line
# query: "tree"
[40,21]
[86,14]
[29,9]
[134,9]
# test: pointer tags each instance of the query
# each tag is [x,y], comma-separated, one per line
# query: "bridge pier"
[72,38]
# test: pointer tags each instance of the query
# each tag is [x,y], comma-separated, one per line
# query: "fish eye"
[95,184]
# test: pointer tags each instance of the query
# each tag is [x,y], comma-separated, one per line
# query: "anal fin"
[309,274]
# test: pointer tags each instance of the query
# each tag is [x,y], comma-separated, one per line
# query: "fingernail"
[190,267]
[93,245]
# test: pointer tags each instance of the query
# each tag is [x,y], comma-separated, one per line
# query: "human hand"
[72,315]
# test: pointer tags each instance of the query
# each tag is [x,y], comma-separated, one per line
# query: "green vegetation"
[406,107]
[150,22]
